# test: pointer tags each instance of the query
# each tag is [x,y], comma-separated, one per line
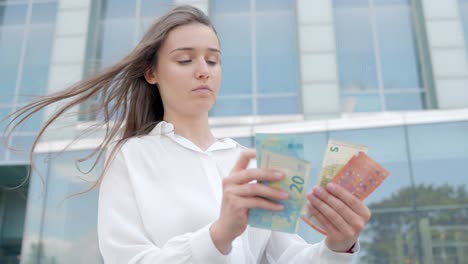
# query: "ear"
[150,76]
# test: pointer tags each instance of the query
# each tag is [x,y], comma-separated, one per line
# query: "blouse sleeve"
[290,248]
[123,238]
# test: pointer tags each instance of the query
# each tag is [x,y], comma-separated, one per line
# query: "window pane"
[13,14]
[223,6]
[22,146]
[439,153]
[153,9]
[276,56]
[405,101]
[4,111]
[355,49]
[44,13]
[70,223]
[37,60]
[397,46]
[232,107]
[464,17]
[361,103]
[235,38]
[117,40]
[279,105]
[11,38]
[118,9]
[274,5]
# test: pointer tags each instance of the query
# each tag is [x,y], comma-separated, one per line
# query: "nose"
[202,70]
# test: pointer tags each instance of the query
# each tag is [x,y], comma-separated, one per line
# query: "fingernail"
[318,190]
[277,175]
[331,186]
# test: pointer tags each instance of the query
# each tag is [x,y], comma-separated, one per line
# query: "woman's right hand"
[239,195]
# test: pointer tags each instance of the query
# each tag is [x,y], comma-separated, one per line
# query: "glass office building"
[389,74]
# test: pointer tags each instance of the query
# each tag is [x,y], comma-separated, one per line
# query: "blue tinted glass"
[439,153]
[387,146]
[232,107]
[117,40]
[391,2]
[22,146]
[350,3]
[44,13]
[4,111]
[37,59]
[13,14]
[228,6]
[35,202]
[278,105]
[274,5]
[11,38]
[276,56]
[464,16]
[68,220]
[406,101]
[152,8]
[397,45]
[235,40]
[245,141]
[361,103]
[118,9]
[355,50]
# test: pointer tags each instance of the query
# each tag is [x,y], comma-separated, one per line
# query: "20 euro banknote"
[295,182]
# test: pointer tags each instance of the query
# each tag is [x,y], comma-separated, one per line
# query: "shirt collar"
[165,128]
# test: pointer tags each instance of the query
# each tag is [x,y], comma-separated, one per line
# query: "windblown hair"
[130,106]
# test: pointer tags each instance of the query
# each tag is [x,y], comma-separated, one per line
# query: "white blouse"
[160,195]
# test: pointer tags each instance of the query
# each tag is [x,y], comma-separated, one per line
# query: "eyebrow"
[192,49]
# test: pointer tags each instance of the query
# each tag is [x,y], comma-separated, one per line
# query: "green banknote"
[295,182]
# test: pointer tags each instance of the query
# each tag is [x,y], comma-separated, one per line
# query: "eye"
[211,62]
[184,62]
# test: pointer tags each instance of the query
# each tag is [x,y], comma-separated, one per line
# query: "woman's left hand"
[342,215]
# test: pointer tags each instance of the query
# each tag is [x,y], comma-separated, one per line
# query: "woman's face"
[188,71]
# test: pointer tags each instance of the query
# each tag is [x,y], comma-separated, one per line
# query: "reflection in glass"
[463,4]
[376,50]
[69,229]
[355,47]
[230,107]
[273,71]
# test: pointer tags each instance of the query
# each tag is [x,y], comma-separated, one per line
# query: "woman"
[173,193]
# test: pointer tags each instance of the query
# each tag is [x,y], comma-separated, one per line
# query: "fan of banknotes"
[344,163]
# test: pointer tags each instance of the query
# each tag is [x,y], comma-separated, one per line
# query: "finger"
[249,175]
[350,200]
[258,202]
[338,206]
[244,160]
[255,189]
[332,217]
[328,227]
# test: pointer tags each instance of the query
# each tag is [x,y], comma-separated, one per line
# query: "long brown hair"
[130,106]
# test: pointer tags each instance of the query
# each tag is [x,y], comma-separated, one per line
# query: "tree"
[417,223]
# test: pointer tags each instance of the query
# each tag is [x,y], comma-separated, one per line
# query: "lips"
[202,88]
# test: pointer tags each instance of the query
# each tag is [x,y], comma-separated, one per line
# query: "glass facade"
[463,4]
[420,213]
[260,69]
[378,66]
[26,37]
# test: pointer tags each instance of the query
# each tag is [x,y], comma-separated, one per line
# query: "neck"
[195,129]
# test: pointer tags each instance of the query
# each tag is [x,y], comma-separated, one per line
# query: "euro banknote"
[295,181]
[337,154]
[357,173]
